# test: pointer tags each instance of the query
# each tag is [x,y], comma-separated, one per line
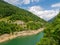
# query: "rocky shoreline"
[7,37]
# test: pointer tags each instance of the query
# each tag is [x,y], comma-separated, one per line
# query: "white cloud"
[29,1]
[12,1]
[20,1]
[35,0]
[56,5]
[26,1]
[44,14]
[34,8]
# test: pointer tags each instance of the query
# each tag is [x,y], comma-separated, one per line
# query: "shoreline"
[6,37]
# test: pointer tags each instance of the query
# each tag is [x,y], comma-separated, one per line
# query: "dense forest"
[52,32]
[14,19]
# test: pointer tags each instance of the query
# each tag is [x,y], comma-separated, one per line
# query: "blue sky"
[45,9]
[46,4]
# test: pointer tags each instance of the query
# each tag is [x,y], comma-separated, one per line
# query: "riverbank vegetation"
[14,19]
[52,33]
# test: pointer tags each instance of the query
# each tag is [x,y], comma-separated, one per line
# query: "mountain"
[52,32]
[13,19]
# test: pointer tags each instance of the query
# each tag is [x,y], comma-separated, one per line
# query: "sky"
[45,9]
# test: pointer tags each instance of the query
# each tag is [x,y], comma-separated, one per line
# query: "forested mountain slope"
[14,19]
[52,32]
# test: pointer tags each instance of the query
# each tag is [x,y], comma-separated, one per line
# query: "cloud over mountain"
[38,10]
[44,14]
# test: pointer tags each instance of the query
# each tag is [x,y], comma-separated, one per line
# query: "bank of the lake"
[25,40]
[7,37]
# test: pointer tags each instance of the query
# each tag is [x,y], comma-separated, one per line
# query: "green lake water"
[26,40]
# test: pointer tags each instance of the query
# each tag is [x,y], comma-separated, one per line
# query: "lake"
[26,40]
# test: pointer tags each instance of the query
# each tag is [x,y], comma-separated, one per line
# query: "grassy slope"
[52,33]
[13,11]
[10,14]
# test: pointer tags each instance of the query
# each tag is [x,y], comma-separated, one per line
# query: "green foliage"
[16,13]
[5,28]
[8,28]
[52,33]
[10,13]
[34,25]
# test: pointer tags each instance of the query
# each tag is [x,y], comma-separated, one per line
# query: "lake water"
[26,40]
